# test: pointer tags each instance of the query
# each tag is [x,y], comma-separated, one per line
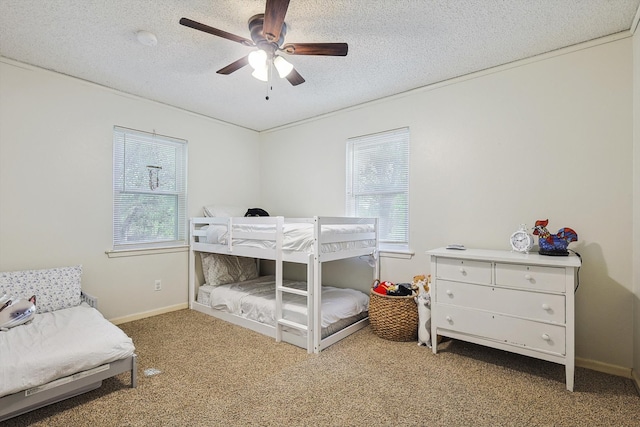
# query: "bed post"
[279,267]
[317,285]
[311,313]
[376,253]
[230,234]
[134,371]
[192,265]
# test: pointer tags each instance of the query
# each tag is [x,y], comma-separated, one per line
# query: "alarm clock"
[521,241]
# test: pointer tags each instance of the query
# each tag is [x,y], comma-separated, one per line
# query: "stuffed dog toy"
[423,299]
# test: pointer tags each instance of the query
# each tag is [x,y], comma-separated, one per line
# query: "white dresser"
[523,303]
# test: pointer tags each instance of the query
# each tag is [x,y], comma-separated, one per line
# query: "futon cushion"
[59,343]
[54,288]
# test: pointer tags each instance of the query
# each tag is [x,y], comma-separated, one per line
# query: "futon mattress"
[57,344]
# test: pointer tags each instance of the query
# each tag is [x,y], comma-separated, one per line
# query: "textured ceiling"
[394,46]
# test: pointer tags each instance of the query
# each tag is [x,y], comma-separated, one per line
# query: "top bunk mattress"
[297,237]
[57,344]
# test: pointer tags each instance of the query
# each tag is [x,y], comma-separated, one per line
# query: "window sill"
[400,253]
[145,251]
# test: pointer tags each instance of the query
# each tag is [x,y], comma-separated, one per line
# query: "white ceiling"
[394,46]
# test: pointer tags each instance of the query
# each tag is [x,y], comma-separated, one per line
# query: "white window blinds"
[378,182]
[149,190]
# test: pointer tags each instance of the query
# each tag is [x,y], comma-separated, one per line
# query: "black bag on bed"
[256,212]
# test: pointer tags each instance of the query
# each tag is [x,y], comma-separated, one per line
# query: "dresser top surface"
[532,258]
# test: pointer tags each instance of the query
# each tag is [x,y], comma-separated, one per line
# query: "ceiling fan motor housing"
[256,23]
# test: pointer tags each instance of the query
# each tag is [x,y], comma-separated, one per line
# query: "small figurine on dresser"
[553,244]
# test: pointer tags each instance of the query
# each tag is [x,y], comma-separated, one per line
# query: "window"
[149,190]
[378,183]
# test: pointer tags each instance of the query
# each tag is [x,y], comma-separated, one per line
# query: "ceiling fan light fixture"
[258,59]
[261,74]
[283,66]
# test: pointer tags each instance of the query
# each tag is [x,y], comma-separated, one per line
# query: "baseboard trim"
[606,368]
[145,314]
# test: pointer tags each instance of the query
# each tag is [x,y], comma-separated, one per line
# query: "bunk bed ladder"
[281,290]
[281,321]
[288,323]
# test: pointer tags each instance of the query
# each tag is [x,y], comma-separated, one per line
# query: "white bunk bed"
[310,241]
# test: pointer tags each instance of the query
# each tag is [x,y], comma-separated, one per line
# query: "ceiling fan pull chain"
[269,86]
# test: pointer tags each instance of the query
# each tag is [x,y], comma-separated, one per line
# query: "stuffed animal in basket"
[381,287]
[15,311]
[400,290]
[391,289]
[423,299]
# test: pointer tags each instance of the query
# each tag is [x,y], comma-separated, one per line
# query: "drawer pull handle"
[449,292]
[448,318]
[546,337]
[462,270]
[545,307]
[527,277]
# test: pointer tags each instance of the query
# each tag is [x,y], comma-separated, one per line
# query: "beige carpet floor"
[212,373]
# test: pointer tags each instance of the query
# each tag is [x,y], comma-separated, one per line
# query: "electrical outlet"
[158,285]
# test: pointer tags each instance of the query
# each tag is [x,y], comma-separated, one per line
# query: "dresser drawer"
[521,303]
[531,277]
[463,270]
[510,330]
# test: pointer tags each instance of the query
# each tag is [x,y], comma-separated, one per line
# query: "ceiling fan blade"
[295,78]
[327,49]
[234,66]
[216,32]
[274,14]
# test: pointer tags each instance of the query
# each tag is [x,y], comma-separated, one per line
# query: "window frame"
[179,219]
[395,136]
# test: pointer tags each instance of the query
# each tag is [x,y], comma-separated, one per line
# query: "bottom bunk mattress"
[57,344]
[255,299]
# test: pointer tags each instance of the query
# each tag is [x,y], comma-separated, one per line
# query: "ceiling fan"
[267,34]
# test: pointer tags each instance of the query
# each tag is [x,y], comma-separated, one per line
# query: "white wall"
[548,138]
[56,136]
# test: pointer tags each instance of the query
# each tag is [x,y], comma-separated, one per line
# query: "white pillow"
[54,288]
[221,269]
[223,211]
[216,234]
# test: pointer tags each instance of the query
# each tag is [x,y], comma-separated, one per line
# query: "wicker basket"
[393,318]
